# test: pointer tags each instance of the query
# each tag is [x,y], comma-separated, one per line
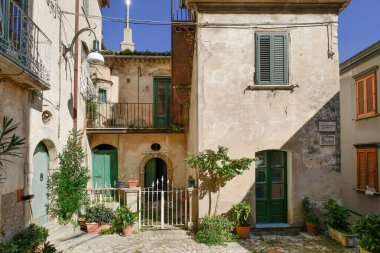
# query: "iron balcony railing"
[23,42]
[180,13]
[135,115]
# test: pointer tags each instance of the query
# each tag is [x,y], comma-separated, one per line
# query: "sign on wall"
[327,127]
[327,140]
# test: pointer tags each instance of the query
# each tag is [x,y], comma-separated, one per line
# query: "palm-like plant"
[10,143]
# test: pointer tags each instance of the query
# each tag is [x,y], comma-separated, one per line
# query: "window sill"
[368,117]
[272,87]
[363,191]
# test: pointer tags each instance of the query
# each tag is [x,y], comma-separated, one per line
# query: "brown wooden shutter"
[372,168]
[360,98]
[361,166]
[371,94]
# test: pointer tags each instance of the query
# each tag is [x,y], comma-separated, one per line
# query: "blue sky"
[359,25]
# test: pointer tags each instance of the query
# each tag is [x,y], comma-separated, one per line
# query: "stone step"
[272,229]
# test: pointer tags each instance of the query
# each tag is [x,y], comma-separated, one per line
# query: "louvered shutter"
[361,167]
[360,98]
[372,168]
[271,58]
[371,95]
[279,59]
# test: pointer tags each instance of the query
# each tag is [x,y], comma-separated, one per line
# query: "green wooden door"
[161,103]
[104,168]
[39,184]
[150,173]
[271,187]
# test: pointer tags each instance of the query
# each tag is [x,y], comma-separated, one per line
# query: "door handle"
[41,177]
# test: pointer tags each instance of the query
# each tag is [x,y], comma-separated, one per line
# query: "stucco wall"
[357,132]
[134,150]
[27,107]
[252,121]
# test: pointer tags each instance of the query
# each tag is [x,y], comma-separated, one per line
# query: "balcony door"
[161,94]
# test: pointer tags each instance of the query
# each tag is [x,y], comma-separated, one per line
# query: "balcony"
[134,117]
[180,13]
[23,45]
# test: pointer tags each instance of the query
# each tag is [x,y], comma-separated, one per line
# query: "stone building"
[36,90]
[265,84]
[359,94]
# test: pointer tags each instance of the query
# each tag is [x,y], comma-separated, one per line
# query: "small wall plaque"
[327,127]
[327,140]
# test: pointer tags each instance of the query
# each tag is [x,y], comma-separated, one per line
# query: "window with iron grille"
[272,58]
[102,95]
[366,96]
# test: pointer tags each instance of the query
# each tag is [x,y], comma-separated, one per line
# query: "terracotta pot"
[95,228]
[127,231]
[312,229]
[243,232]
[132,183]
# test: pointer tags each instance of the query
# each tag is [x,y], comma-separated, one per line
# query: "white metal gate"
[163,206]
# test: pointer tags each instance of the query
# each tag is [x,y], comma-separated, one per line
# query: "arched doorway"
[271,187]
[104,166]
[156,171]
[39,184]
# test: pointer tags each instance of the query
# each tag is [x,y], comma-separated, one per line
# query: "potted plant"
[336,219]
[120,182]
[240,214]
[98,218]
[132,183]
[368,230]
[125,219]
[311,219]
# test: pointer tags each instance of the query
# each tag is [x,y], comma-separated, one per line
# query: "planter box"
[363,250]
[95,228]
[345,240]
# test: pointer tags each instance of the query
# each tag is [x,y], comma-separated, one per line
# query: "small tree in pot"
[311,219]
[240,214]
[98,218]
[125,219]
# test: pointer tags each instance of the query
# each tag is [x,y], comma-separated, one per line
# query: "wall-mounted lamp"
[94,57]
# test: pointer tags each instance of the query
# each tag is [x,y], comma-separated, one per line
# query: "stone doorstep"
[276,229]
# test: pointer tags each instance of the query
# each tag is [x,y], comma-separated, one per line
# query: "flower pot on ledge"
[346,240]
[132,183]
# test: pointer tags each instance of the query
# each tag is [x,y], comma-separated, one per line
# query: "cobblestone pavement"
[180,241]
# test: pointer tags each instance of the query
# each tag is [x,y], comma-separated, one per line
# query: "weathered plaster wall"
[357,132]
[252,121]
[134,150]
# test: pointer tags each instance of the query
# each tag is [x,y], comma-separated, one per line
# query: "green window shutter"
[271,58]
[102,95]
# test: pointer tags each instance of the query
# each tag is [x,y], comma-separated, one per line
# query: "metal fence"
[23,42]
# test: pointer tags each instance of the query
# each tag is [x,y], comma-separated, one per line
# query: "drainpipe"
[76,67]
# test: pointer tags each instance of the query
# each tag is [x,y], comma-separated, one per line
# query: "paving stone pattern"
[180,241]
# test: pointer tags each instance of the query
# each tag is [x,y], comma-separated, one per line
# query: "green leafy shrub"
[309,211]
[336,216]
[368,230]
[99,214]
[125,217]
[67,194]
[240,214]
[214,230]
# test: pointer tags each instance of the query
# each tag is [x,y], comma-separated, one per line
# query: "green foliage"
[99,214]
[26,241]
[336,216]
[368,230]
[92,111]
[67,185]
[110,231]
[217,168]
[309,211]
[49,248]
[10,143]
[240,214]
[214,230]
[176,127]
[125,217]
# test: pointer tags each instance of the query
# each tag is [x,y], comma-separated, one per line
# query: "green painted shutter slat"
[271,58]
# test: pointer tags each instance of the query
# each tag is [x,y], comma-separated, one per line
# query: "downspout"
[76,67]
